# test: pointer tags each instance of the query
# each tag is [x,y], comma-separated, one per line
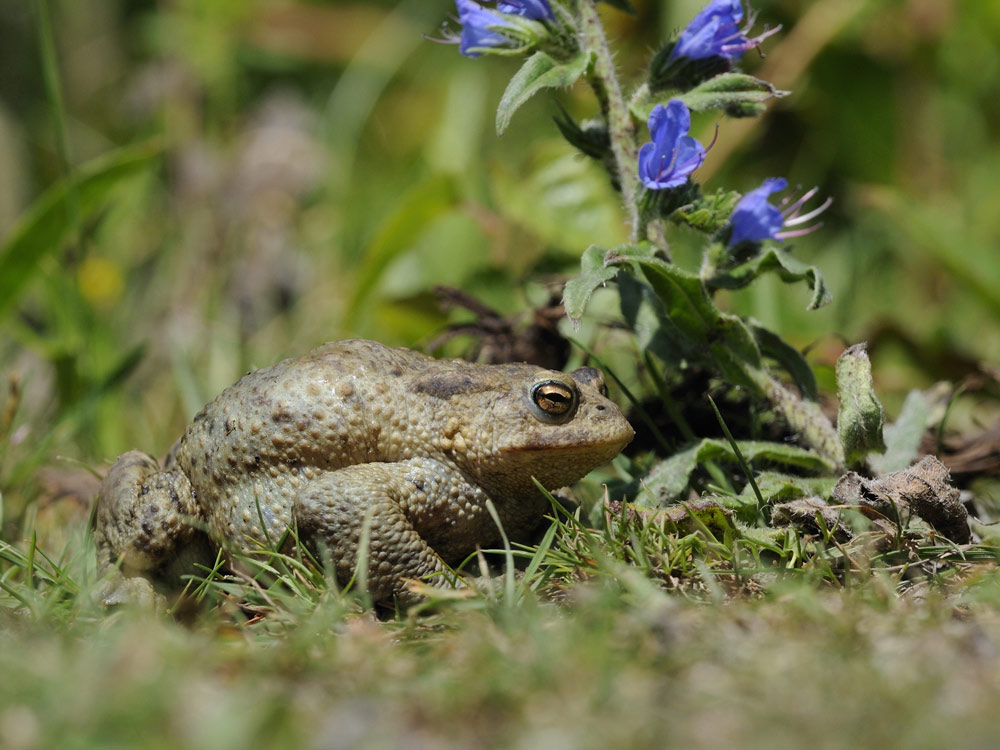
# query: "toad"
[357,442]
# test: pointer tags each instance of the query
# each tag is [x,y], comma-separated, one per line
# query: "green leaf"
[591,138]
[776,486]
[416,211]
[691,322]
[593,273]
[538,72]
[709,213]
[786,355]
[722,336]
[654,331]
[902,437]
[646,316]
[859,422]
[778,260]
[49,221]
[707,513]
[737,93]
[669,479]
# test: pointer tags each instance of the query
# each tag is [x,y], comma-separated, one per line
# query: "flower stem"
[805,417]
[621,129]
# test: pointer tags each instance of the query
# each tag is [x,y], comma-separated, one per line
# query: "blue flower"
[716,32]
[672,155]
[483,28]
[754,219]
[478,26]
[536,10]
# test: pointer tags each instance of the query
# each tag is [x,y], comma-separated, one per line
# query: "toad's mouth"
[562,444]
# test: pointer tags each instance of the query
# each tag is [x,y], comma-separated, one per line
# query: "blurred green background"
[325,164]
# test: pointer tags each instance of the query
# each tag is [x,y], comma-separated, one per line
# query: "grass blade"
[46,225]
[508,572]
[744,466]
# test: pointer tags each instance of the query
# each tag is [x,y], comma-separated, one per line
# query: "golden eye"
[554,399]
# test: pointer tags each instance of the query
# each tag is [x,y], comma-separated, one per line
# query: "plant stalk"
[621,129]
[806,418]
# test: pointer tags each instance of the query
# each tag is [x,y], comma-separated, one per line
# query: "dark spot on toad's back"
[446,385]
[588,375]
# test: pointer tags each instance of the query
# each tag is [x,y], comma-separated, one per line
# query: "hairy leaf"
[538,72]
[859,422]
[778,260]
[776,486]
[654,331]
[724,337]
[669,479]
[737,93]
[786,355]
[593,273]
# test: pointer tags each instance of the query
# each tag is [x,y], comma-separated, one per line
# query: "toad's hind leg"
[143,523]
[334,510]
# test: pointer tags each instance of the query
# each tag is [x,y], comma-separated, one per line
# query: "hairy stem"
[621,129]
[805,417]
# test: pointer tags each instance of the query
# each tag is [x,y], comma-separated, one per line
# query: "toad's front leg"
[420,517]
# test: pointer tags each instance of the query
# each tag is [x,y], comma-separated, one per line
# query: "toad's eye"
[555,401]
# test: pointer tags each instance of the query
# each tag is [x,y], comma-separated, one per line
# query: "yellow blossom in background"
[100,281]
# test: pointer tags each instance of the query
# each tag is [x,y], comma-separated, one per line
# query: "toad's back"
[253,446]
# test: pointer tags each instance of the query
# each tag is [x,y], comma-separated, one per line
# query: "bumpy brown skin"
[354,433]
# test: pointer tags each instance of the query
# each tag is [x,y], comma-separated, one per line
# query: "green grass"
[895,660]
[639,634]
